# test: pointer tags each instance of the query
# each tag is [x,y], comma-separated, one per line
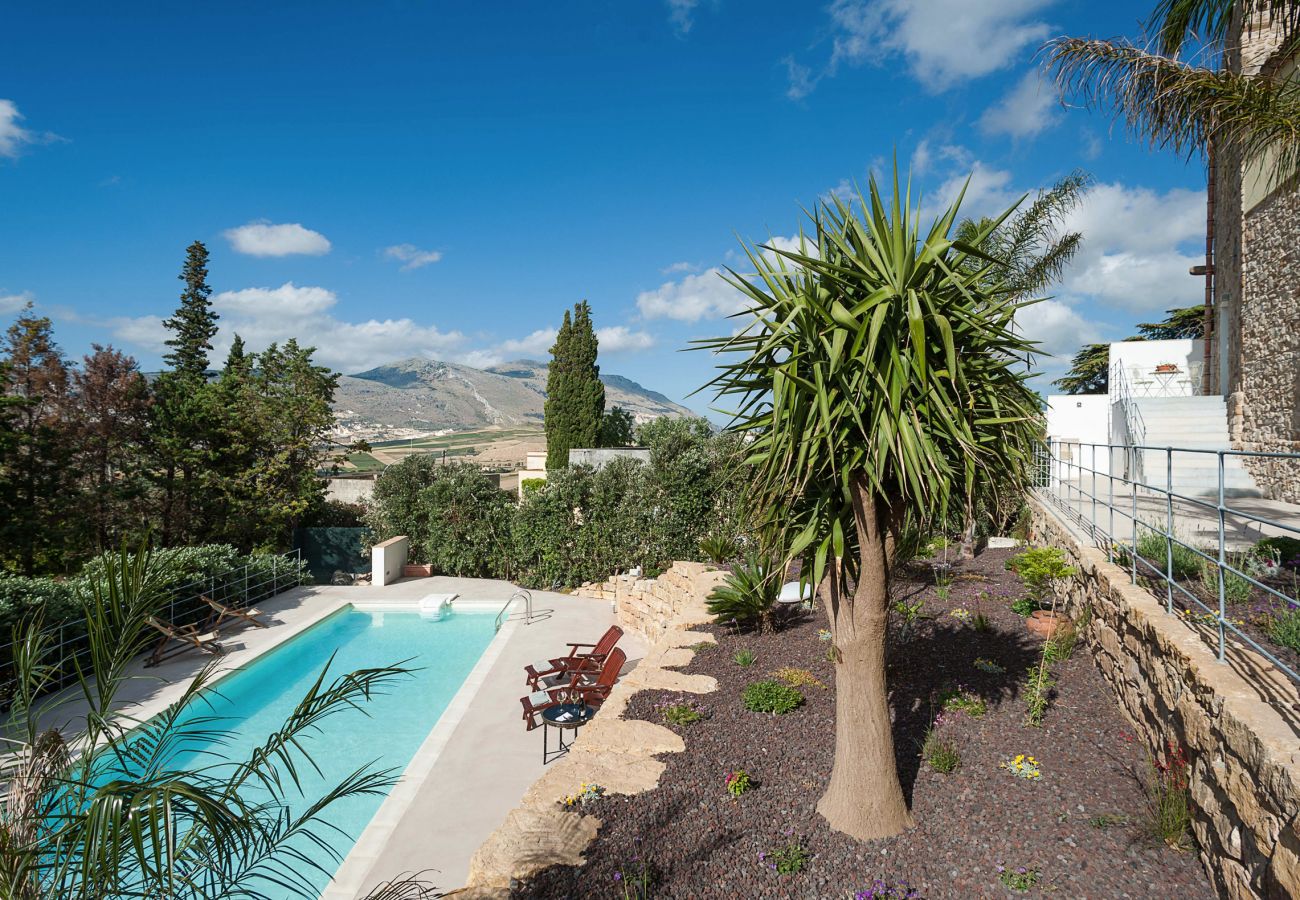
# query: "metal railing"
[1120,513]
[238,587]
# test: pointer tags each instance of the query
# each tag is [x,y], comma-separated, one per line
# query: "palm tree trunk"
[864,798]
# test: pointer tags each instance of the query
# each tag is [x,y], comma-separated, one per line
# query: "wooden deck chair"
[224,612]
[562,667]
[185,637]
[579,689]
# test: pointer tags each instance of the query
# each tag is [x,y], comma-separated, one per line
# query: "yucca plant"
[107,812]
[747,596]
[720,548]
[874,364]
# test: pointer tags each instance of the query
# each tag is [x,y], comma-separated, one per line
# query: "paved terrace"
[1194,524]
[472,769]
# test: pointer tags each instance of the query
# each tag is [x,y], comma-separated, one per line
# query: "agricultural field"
[493,447]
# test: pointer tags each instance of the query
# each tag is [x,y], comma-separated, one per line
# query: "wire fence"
[1192,536]
[240,587]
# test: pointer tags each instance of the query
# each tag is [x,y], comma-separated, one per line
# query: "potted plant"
[1166,368]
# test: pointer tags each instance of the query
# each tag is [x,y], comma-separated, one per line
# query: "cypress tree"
[194,324]
[575,395]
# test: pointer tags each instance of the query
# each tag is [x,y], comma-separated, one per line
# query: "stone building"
[1255,341]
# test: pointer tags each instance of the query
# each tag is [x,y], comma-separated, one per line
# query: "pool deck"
[476,764]
[486,761]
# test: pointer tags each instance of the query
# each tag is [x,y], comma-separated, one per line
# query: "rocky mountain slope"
[422,395]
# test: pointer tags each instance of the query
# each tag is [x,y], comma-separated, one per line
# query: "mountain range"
[417,395]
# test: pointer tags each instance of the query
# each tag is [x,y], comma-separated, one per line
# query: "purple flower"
[618,876]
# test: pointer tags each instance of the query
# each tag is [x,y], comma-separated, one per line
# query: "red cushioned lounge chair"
[561,668]
[579,689]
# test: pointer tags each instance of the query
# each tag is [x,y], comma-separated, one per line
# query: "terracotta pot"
[416,571]
[1045,623]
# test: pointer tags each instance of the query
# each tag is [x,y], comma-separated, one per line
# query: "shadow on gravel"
[941,657]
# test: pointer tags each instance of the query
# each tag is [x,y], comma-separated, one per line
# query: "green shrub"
[1236,588]
[1039,568]
[745,599]
[744,658]
[464,524]
[1038,691]
[1024,606]
[791,859]
[1284,628]
[771,696]
[719,548]
[1154,548]
[940,754]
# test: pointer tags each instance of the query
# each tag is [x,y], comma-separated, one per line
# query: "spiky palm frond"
[122,816]
[881,356]
[1173,105]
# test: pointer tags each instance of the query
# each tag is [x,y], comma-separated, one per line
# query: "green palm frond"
[883,356]
[1174,22]
[1173,105]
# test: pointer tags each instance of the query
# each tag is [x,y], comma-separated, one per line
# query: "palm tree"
[106,813]
[1188,107]
[873,361]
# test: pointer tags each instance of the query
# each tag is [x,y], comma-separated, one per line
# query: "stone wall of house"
[648,606]
[1270,342]
[1238,720]
[1256,351]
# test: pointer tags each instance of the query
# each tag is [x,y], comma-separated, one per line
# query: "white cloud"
[921,158]
[801,79]
[263,315]
[621,339]
[1132,254]
[988,191]
[14,137]
[692,298]
[1026,110]
[681,15]
[679,267]
[412,256]
[13,302]
[943,41]
[1057,326]
[265,239]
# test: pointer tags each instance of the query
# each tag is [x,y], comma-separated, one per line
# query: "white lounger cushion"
[791,593]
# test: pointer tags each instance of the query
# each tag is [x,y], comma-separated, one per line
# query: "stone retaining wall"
[619,754]
[649,606]
[1239,720]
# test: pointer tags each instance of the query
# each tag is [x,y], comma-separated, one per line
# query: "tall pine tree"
[181,432]
[195,324]
[575,395]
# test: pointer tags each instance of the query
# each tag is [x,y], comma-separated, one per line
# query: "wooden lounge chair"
[579,689]
[229,612]
[186,637]
[562,667]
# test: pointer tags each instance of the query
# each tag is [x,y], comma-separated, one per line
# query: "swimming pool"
[255,700]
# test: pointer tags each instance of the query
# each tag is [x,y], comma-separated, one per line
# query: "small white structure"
[599,457]
[1074,421]
[388,559]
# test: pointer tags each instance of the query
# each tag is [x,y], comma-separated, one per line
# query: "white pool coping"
[350,876]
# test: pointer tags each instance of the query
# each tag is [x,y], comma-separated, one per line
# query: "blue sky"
[396,178]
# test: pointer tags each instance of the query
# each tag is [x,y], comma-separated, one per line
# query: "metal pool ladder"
[528,608]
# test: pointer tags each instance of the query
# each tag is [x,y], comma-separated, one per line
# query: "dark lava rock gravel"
[697,842]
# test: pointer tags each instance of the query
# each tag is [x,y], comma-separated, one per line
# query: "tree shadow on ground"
[939,658]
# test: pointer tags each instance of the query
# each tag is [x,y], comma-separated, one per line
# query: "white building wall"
[1073,422]
[1139,360]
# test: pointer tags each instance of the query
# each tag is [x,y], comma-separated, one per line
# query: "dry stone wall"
[621,755]
[649,606]
[1238,720]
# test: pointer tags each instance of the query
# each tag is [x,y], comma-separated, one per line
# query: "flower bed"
[1077,826]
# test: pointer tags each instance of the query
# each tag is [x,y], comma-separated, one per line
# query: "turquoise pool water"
[255,700]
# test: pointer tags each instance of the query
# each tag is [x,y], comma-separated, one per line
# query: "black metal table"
[563,716]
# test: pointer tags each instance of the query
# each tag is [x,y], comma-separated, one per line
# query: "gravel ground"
[695,841]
